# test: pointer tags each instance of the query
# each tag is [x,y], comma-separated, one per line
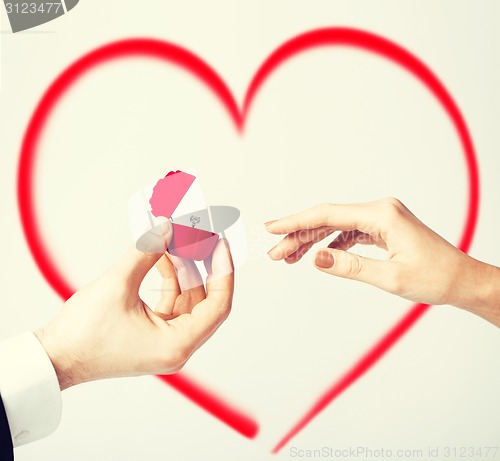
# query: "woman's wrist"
[479,288]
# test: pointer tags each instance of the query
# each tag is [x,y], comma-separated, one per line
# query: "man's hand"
[421,266]
[105,330]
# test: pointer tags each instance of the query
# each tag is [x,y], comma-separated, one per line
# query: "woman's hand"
[421,266]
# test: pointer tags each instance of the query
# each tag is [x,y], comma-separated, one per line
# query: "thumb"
[354,267]
[141,257]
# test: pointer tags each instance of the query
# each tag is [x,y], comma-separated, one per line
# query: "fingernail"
[270,252]
[324,259]
[268,223]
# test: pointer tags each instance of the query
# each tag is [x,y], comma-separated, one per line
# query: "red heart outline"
[174,54]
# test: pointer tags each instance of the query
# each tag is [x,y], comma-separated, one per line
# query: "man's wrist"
[61,362]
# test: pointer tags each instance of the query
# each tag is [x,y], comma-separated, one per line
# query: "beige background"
[334,125]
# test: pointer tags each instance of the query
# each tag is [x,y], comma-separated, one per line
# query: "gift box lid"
[169,192]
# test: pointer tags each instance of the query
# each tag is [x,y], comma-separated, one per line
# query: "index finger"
[337,217]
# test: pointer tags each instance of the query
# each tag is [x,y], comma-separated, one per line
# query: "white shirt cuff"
[29,389]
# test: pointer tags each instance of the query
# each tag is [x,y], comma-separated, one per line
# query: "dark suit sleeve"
[6,450]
